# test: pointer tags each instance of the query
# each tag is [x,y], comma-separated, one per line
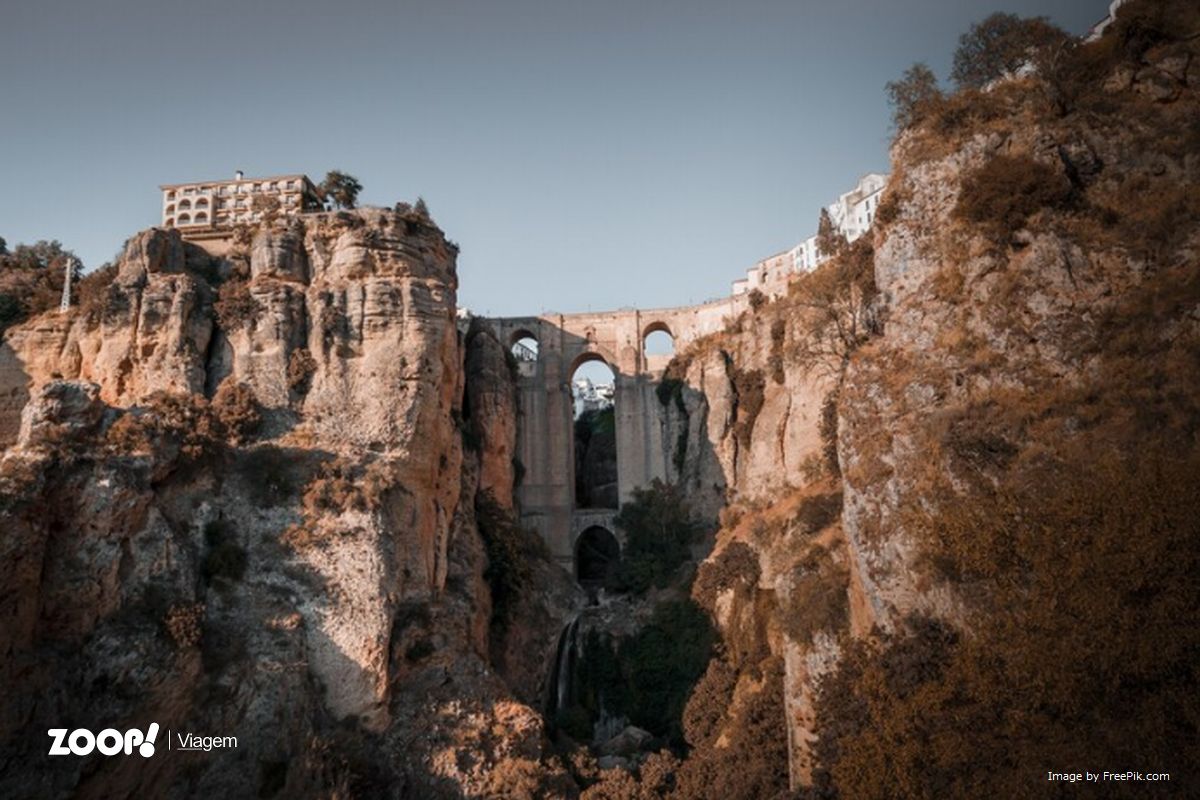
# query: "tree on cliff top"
[909,96]
[341,188]
[830,241]
[1000,45]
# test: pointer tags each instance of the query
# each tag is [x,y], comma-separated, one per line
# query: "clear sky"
[583,154]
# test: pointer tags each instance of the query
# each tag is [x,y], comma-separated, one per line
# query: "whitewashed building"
[852,214]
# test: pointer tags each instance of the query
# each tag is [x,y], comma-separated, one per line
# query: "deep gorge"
[928,519]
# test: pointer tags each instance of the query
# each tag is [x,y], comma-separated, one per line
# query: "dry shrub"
[818,511]
[753,759]
[237,411]
[832,309]
[704,714]
[236,307]
[167,423]
[343,484]
[128,435]
[1079,651]
[1000,196]
[748,386]
[735,567]
[775,360]
[1149,216]
[97,294]
[828,430]
[818,599]
[184,624]
[301,366]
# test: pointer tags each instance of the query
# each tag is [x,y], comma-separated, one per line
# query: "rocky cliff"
[930,457]
[238,503]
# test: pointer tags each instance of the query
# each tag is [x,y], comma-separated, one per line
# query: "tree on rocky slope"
[1002,45]
[341,188]
[911,94]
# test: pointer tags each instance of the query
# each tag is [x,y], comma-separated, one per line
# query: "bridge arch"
[524,345]
[593,353]
[597,551]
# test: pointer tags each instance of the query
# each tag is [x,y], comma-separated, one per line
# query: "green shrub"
[645,677]
[510,550]
[659,531]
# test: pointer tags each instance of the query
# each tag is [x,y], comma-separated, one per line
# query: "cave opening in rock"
[596,552]
[593,390]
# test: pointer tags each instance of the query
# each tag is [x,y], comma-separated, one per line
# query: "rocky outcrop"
[317,578]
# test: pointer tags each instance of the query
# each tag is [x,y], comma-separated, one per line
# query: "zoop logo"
[109,741]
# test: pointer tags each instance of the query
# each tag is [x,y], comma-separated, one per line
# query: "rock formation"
[239,505]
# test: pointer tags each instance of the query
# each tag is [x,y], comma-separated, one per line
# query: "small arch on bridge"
[657,340]
[596,553]
[524,346]
[590,356]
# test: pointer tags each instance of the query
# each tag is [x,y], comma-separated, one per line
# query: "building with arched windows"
[208,211]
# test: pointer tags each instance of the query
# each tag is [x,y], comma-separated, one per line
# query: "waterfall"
[558,694]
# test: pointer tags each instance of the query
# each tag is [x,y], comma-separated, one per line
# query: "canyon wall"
[238,502]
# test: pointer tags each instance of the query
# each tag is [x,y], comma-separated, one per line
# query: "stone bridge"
[545,428]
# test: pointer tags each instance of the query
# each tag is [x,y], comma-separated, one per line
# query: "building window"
[185,219]
[201,218]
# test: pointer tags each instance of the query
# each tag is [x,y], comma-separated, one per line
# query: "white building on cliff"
[852,214]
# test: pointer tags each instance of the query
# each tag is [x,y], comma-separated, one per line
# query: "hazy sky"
[584,155]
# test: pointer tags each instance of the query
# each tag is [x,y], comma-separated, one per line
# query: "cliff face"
[239,504]
[1025,373]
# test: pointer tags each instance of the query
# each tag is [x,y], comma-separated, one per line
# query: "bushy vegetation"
[1002,45]
[999,197]
[237,411]
[511,551]
[300,369]
[171,422]
[646,677]
[751,759]
[344,484]
[735,566]
[818,599]
[1079,648]
[31,279]
[659,531]
[836,305]
[749,386]
[340,188]
[236,307]
[818,511]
